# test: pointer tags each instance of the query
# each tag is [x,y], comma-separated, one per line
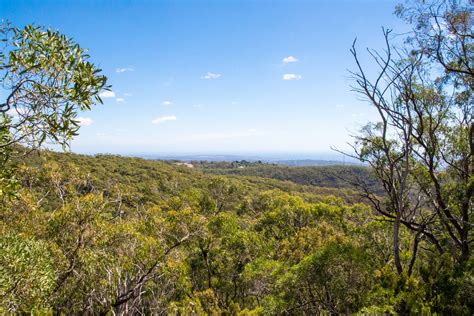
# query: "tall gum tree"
[421,149]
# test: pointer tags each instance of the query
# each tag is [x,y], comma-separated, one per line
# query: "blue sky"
[219,76]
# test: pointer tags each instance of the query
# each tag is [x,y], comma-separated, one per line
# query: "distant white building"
[186,164]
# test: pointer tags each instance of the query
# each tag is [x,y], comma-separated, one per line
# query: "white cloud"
[120,70]
[292,77]
[211,75]
[127,94]
[166,103]
[120,100]
[162,119]
[85,121]
[289,59]
[107,94]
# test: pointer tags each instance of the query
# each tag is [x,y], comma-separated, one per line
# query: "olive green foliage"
[113,235]
[8,183]
[107,233]
[48,79]
[27,275]
[337,176]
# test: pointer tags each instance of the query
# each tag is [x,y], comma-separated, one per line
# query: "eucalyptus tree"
[47,79]
[421,148]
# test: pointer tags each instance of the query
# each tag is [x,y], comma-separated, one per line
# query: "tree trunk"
[396,243]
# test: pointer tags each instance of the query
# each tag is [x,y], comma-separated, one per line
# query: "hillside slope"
[107,234]
[154,180]
[320,176]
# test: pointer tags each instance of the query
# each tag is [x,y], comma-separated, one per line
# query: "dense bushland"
[114,235]
[110,233]
[337,176]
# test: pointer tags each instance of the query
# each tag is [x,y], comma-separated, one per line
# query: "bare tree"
[421,149]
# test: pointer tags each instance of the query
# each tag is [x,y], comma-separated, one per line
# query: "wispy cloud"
[163,119]
[127,94]
[289,59]
[292,77]
[85,121]
[120,70]
[197,105]
[235,102]
[166,103]
[120,100]
[107,94]
[211,75]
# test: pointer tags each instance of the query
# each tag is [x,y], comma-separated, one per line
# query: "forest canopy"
[107,234]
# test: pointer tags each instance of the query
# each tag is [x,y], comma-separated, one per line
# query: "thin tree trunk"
[396,243]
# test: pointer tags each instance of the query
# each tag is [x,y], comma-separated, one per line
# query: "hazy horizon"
[216,154]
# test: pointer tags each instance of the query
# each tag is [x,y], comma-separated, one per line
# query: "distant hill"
[154,180]
[330,176]
[312,162]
